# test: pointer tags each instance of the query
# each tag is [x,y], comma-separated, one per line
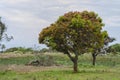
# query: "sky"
[25,19]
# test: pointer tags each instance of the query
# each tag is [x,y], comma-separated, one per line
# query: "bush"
[115,49]
[43,60]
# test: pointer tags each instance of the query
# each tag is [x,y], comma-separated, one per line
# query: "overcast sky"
[26,18]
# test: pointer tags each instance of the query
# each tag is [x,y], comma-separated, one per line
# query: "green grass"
[107,68]
[96,73]
[61,59]
[16,60]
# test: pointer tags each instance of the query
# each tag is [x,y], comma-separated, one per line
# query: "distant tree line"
[19,49]
[31,50]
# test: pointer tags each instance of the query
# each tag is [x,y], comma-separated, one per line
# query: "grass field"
[14,68]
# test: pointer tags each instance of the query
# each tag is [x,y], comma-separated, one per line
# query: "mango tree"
[74,33]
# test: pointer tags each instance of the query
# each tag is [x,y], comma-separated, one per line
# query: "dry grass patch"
[11,55]
[27,69]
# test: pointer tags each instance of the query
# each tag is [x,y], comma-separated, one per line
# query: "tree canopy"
[3,35]
[2,29]
[75,33]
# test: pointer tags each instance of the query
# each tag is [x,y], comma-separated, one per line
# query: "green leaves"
[73,32]
[50,42]
[104,34]
[77,22]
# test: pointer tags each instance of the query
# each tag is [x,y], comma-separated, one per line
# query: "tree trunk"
[94,59]
[75,62]
[75,65]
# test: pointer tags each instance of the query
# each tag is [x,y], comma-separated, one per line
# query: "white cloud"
[13,1]
[66,1]
[112,21]
[78,8]
[25,18]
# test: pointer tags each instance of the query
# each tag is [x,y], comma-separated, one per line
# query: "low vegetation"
[15,68]
[19,49]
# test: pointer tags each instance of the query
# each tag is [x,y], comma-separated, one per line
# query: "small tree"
[102,50]
[2,29]
[3,35]
[3,47]
[74,33]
